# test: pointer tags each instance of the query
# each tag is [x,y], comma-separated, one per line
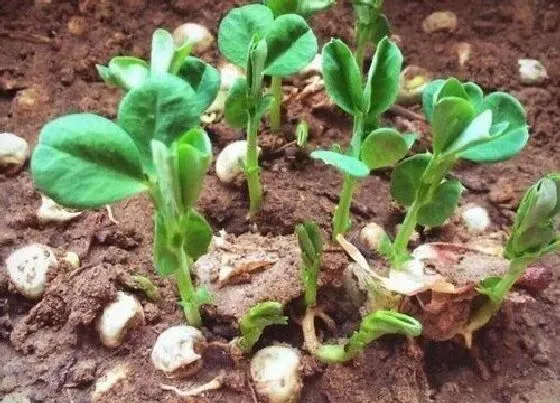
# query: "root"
[110,214]
[214,384]
[311,343]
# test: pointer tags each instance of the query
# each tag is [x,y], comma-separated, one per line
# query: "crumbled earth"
[50,350]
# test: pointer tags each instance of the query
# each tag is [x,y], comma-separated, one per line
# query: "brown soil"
[50,350]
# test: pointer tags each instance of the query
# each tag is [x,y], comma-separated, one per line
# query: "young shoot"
[290,42]
[302,133]
[86,161]
[465,124]
[370,147]
[372,327]
[252,324]
[245,106]
[535,233]
[305,8]
[129,72]
[371,26]
[311,245]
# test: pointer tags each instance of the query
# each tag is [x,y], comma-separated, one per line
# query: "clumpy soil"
[49,349]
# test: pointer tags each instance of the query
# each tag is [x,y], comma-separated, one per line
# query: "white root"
[50,211]
[214,384]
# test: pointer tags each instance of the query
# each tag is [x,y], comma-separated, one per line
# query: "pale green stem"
[252,168]
[186,291]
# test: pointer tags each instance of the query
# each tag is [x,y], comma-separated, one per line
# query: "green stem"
[186,291]
[357,134]
[341,217]
[252,168]
[406,229]
[275,112]
[360,53]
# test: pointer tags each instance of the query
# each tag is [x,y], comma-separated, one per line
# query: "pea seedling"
[86,161]
[305,8]
[290,42]
[129,72]
[252,324]
[372,326]
[465,124]
[535,233]
[371,26]
[369,149]
[245,106]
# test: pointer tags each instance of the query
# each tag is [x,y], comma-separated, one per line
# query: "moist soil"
[50,350]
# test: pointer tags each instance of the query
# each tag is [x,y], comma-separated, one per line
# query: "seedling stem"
[275,112]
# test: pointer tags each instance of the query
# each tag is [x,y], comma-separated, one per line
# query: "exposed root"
[214,384]
[406,113]
[110,214]
[311,343]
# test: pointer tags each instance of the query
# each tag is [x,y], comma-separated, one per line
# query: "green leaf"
[452,88]
[281,7]
[410,139]
[383,148]
[477,132]
[405,179]
[255,68]
[442,204]
[86,161]
[165,259]
[451,116]
[161,109]
[307,8]
[382,86]
[291,46]
[104,73]
[179,57]
[236,105]
[475,94]
[193,154]
[163,51]
[341,74]
[237,29]
[252,324]
[509,127]
[429,97]
[345,163]
[197,235]
[128,72]
[203,79]
[380,29]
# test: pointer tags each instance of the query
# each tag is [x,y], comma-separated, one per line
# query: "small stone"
[109,380]
[531,71]
[475,218]
[13,152]
[541,358]
[77,25]
[440,21]
[72,259]
[502,193]
[197,35]
[463,51]
[151,312]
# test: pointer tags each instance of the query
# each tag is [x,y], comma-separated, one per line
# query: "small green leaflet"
[163,50]
[203,79]
[346,164]
[405,179]
[383,148]
[442,205]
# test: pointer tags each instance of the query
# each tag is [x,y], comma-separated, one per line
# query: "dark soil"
[50,351]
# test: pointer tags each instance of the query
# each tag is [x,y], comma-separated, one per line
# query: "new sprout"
[86,161]
[302,132]
[371,26]
[465,124]
[290,42]
[535,233]
[311,246]
[252,324]
[370,147]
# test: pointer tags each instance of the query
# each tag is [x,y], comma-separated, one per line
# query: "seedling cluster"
[157,146]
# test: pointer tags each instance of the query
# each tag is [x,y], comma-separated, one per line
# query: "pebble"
[531,71]
[463,51]
[475,218]
[109,380]
[13,151]
[197,35]
[440,21]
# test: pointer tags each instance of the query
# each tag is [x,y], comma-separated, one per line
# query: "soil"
[49,348]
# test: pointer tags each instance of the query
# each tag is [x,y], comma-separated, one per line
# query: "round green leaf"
[341,74]
[128,72]
[291,45]
[86,161]
[452,88]
[383,82]
[197,235]
[383,148]
[509,127]
[452,115]
[380,29]
[475,94]
[429,97]
[203,79]
[161,109]
[280,7]
[477,132]
[345,163]
[405,179]
[237,29]
[442,205]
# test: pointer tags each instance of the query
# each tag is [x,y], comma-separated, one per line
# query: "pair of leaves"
[291,43]
[311,246]
[406,181]
[86,161]
[343,80]
[383,147]
[468,125]
[252,324]
[536,228]
[305,8]
[174,241]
